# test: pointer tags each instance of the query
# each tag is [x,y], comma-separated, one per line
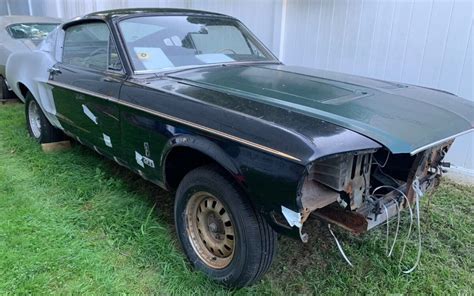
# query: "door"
[87,84]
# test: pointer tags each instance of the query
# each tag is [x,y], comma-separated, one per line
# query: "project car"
[193,102]
[20,33]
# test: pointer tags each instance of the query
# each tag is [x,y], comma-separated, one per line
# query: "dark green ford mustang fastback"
[194,103]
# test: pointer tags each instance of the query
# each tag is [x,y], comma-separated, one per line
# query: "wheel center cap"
[213,227]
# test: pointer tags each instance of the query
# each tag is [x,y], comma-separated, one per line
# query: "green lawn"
[74,222]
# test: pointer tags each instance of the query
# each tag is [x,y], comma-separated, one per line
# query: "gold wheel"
[210,229]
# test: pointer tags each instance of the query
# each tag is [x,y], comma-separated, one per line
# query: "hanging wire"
[398,228]
[339,246]
[418,194]
[389,253]
[388,228]
[385,162]
[399,218]
[379,168]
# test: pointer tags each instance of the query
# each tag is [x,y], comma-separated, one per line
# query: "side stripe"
[175,119]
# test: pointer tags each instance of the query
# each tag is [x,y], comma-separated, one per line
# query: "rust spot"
[351,221]
[425,160]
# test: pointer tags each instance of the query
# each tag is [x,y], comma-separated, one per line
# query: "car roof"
[111,14]
[14,19]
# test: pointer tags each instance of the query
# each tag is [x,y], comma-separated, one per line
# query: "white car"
[20,33]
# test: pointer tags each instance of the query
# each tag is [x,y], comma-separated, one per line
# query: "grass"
[74,222]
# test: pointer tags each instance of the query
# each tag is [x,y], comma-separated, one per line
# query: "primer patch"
[107,140]
[89,113]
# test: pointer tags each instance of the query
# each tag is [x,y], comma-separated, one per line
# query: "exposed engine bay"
[360,190]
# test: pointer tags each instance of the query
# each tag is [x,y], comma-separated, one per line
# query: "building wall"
[419,42]
[422,42]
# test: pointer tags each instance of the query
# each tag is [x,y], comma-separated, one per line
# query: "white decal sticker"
[89,113]
[139,159]
[168,42]
[143,160]
[148,162]
[146,146]
[177,41]
[107,140]
[153,58]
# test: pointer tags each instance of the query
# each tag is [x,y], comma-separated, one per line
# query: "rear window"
[30,30]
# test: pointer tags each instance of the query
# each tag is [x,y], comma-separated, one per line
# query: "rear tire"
[220,231]
[4,92]
[38,125]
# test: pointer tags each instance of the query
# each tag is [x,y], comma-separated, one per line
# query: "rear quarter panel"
[31,70]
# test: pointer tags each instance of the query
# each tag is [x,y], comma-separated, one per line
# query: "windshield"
[162,42]
[30,31]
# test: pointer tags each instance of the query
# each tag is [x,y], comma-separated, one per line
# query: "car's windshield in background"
[164,42]
[31,30]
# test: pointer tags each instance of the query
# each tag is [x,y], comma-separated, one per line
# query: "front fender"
[203,145]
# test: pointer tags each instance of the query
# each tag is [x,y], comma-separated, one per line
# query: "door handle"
[54,70]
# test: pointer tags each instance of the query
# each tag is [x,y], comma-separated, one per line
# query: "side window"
[114,62]
[89,46]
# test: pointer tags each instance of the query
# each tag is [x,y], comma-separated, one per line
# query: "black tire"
[4,92]
[255,242]
[44,132]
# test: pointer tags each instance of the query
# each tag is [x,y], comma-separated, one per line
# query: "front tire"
[38,125]
[220,231]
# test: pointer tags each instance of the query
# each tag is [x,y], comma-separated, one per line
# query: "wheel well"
[23,89]
[182,160]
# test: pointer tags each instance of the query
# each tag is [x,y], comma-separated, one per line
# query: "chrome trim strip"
[175,119]
[82,90]
[440,141]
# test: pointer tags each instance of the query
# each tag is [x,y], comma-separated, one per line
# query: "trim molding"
[441,141]
[175,119]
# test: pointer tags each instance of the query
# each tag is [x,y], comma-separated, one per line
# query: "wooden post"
[56,146]
[9,101]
